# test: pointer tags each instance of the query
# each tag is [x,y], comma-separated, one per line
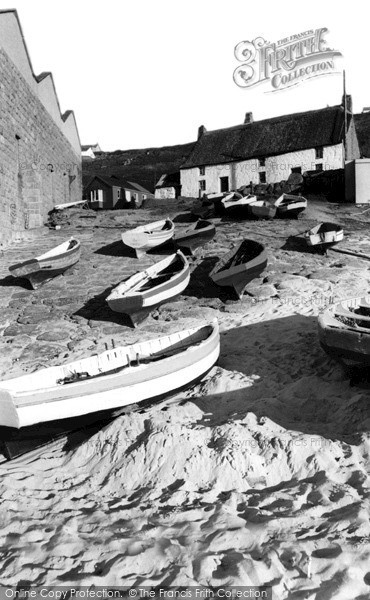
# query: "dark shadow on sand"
[297,243]
[10,281]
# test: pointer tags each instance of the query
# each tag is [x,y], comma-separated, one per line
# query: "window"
[202,185]
[224,184]
[118,194]
[262,162]
[202,171]
[319,152]
[296,169]
[319,167]
[262,176]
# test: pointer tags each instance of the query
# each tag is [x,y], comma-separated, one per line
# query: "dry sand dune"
[258,475]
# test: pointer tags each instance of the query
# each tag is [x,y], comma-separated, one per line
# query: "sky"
[143,73]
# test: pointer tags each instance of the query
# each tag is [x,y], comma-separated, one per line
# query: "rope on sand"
[358,254]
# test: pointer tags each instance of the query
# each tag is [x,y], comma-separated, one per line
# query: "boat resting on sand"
[344,331]
[237,202]
[289,206]
[261,209]
[195,236]
[115,378]
[239,266]
[324,234]
[148,236]
[41,269]
[144,291]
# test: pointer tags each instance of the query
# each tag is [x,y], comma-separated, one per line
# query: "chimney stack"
[201,131]
[248,118]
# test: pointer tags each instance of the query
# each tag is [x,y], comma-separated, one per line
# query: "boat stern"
[8,412]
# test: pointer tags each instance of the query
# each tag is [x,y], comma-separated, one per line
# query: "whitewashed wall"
[277,168]
[165,193]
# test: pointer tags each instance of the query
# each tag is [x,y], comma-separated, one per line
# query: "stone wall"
[38,165]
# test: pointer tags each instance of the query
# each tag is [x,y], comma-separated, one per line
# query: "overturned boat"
[290,206]
[239,266]
[41,269]
[324,234]
[115,378]
[195,236]
[144,291]
[344,330]
[148,236]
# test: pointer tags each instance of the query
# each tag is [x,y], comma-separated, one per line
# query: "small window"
[262,176]
[224,184]
[262,162]
[202,185]
[202,171]
[296,169]
[319,167]
[119,194]
[319,152]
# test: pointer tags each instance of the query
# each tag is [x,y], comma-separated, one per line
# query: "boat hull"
[238,276]
[192,239]
[145,238]
[131,385]
[289,206]
[40,270]
[325,236]
[347,340]
[262,211]
[137,303]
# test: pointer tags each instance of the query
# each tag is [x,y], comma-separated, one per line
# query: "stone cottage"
[268,151]
[40,152]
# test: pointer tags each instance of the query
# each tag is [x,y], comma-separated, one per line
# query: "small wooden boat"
[41,269]
[289,206]
[70,204]
[195,236]
[149,236]
[324,234]
[115,378]
[344,330]
[261,209]
[236,202]
[239,266]
[146,290]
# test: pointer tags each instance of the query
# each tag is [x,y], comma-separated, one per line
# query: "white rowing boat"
[144,291]
[41,269]
[115,378]
[148,236]
[324,234]
[344,330]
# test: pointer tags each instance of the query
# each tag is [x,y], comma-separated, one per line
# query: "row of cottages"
[112,192]
[40,151]
[268,151]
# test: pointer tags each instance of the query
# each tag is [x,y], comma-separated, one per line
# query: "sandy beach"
[258,475]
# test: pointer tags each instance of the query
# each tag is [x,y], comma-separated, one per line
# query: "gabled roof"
[113,181]
[269,137]
[362,124]
[139,187]
[169,180]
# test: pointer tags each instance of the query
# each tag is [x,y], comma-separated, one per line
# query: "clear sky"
[141,73]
